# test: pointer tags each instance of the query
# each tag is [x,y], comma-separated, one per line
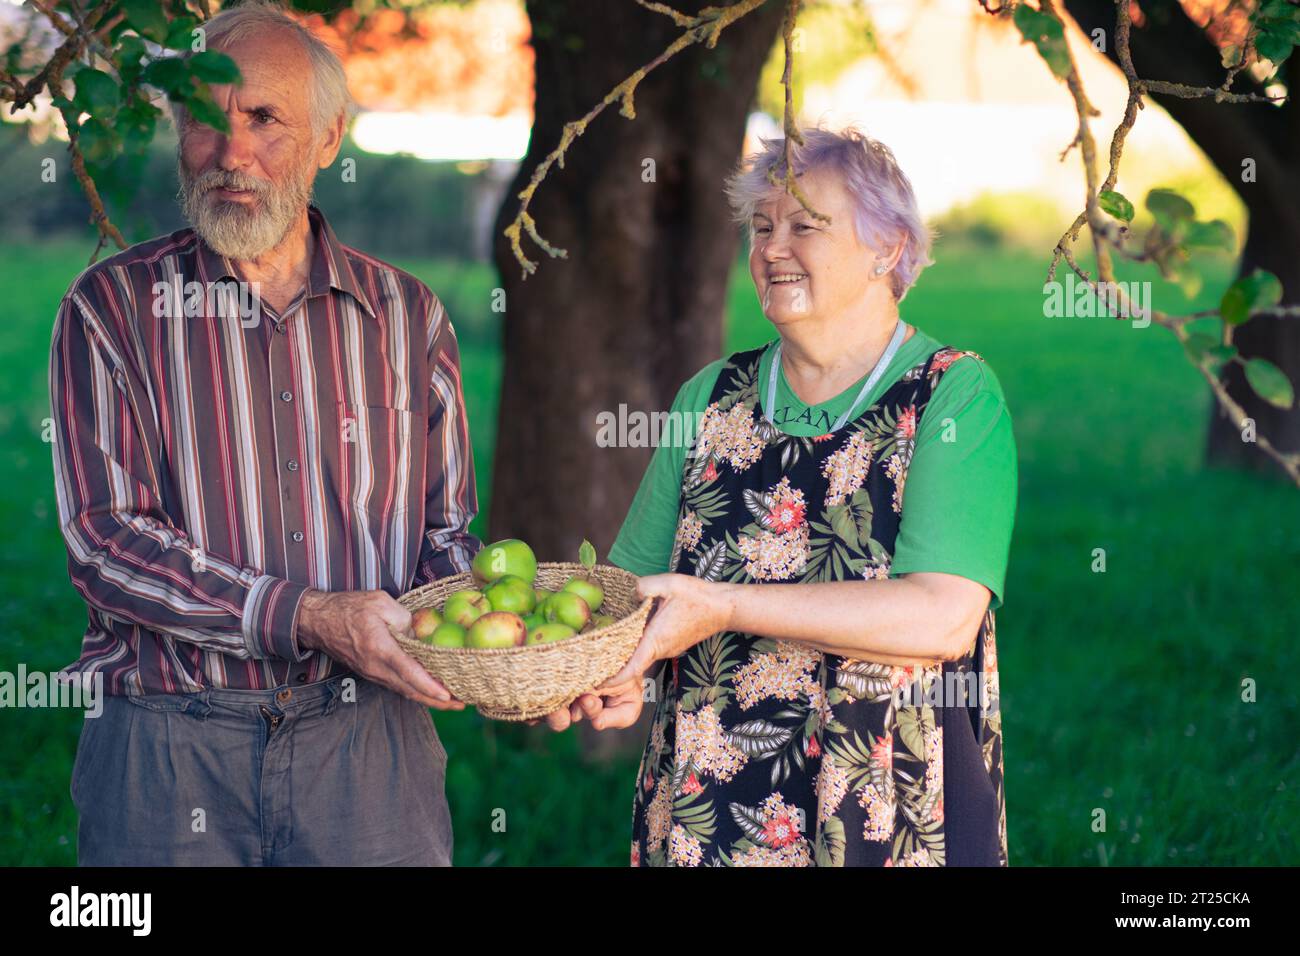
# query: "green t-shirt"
[959,501]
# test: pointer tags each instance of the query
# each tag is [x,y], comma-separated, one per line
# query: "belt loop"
[196,705]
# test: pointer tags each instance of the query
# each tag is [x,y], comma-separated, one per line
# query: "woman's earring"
[880,269]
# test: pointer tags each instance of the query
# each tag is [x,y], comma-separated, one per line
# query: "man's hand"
[356,629]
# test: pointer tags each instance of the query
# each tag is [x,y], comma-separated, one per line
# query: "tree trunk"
[1172,47]
[637,306]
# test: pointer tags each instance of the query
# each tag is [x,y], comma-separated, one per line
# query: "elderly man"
[243,492]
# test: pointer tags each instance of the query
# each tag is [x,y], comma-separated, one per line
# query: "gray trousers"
[342,772]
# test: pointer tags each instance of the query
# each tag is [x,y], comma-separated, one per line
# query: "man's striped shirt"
[213,464]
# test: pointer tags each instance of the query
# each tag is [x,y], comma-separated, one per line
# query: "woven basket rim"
[589,637]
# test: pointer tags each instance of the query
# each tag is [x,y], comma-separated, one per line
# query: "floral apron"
[770,753]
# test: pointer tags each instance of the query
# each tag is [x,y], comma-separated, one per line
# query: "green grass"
[1121,691]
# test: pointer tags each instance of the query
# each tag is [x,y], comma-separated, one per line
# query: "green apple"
[509,556]
[534,620]
[567,608]
[465,607]
[550,632]
[601,620]
[588,590]
[542,594]
[512,594]
[497,629]
[448,635]
[424,622]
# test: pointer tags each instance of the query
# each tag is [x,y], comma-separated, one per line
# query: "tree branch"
[704,28]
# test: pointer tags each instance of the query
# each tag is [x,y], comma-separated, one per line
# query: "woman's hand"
[608,707]
[689,611]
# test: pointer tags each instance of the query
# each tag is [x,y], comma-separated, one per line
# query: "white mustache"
[218,180]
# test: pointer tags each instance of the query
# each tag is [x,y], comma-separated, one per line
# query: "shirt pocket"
[379,467]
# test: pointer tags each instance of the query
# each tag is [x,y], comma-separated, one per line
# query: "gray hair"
[885,209]
[329,83]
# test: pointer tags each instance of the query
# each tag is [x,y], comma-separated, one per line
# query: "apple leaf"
[97,92]
[207,112]
[214,67]
[1198,344]
[1259,290]
[587,554]
[1168,207]
[169,75]
[148,18]
[1273,47]
[1278,8]
[1270,383]
[1116,205]
[180,33]
[1046,33]
[1215,234]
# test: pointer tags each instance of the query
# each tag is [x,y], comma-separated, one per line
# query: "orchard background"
[1121,690]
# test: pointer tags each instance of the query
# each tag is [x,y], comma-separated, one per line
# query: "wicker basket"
[522,683]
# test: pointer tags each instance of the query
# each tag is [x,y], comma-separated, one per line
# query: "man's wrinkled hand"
[356,629]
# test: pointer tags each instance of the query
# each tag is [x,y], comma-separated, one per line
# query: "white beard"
[233,229]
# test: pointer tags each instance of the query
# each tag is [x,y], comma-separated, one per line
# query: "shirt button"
[297,536]
[279,326]
[302,678]
[286,396]
[292,465]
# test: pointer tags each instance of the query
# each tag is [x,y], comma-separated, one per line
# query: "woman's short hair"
[885,209]
[329,83]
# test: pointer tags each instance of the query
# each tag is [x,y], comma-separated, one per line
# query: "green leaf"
[213,67]
[1274,47]
[1168,207]
[842,523]
[136,122]
[587,554]
[1116,205]
[1216,234]
[1046,33]
[831,843]
[1219,355]
[1279,8]
[180,33]
[204,110]
[128,55]
[169,75]
[1270,383]
[97,92]
[1198,345]
[98,142]
[1259,290]
[147,17]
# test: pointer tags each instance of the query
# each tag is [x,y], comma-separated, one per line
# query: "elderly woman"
[831,689]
